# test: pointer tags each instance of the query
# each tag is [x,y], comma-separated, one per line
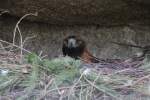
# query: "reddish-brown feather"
[88,57]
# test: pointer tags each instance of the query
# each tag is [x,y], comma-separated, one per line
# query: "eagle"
[76,48]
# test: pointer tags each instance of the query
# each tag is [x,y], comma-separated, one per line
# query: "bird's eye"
[65,42]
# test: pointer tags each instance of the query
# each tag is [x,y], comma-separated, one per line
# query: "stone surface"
[48,38]
[97,21]
[70,12]
[146,2]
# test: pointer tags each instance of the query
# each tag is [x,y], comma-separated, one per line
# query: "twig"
[28,38]
[18,29]
[44,92]
[120,71]
[75,85]
[6,11]
[94,83]
[40,53]
[60,88]
[21,45]
[68,87]
[15,46]
[17,25]
[91,83]
[138,81]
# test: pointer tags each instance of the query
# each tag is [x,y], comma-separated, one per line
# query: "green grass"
[67,78]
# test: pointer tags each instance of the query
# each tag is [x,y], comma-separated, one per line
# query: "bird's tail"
[89,58]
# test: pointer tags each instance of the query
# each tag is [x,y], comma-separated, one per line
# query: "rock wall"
[97,21]
[48,38]
[70,12]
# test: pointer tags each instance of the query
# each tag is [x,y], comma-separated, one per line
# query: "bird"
[76,48]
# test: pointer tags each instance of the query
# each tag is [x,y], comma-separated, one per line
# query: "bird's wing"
[89,58]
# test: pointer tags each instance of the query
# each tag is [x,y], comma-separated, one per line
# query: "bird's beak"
[71,43]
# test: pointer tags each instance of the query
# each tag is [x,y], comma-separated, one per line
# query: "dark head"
[73,46]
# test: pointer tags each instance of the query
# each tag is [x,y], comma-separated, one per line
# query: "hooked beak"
[71,43]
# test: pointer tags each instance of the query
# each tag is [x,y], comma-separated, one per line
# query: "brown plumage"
[75,47]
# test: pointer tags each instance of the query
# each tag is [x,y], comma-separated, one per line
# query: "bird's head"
[73,42]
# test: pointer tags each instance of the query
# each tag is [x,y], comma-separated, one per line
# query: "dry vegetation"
[28,76]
